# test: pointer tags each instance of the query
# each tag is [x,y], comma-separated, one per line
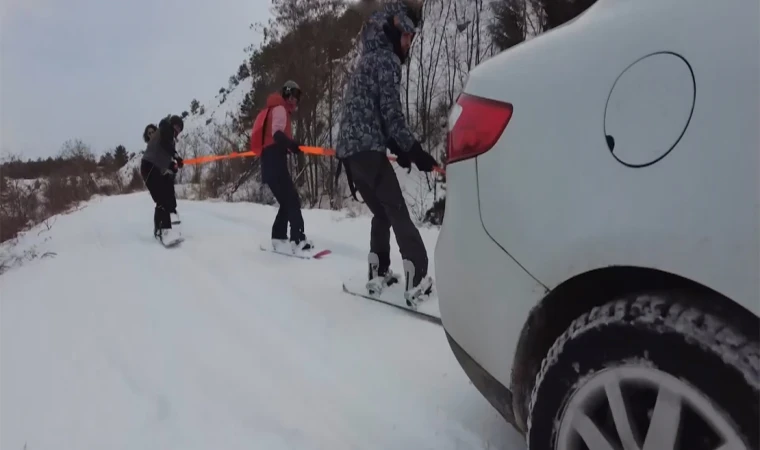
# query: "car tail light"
[478,124]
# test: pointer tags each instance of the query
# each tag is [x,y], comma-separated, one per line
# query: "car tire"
[648,344]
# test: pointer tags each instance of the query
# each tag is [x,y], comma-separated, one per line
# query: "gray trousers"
[376,181]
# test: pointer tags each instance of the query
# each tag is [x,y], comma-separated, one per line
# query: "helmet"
[291,88]
[177,121]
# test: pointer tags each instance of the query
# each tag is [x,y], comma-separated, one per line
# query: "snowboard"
[393,295]
[171,244]
[307,254]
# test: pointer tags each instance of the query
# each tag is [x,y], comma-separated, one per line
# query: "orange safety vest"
[261,134]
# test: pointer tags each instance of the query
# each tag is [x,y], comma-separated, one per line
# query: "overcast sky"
[100,70]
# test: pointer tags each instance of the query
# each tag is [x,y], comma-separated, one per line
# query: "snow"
[115,342]
[221,109]
[126,171]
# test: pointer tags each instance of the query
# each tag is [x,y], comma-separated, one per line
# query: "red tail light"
[479,125]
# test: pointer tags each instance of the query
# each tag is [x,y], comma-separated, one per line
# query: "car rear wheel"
[647,373]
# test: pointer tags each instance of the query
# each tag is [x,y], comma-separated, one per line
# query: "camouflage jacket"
[372,112]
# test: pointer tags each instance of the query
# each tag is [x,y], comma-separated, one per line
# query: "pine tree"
[120,156]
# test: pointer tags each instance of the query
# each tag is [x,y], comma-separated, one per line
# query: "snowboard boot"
[168,236]
[175,218]
[379,273]
[302,245]
[416,290]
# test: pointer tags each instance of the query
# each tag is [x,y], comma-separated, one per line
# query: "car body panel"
[472,273]
[554,197]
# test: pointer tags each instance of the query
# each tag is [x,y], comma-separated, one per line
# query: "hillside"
[111,341]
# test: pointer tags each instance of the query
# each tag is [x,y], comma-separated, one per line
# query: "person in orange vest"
[272,138]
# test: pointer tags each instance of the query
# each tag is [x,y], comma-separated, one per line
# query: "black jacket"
[161,150]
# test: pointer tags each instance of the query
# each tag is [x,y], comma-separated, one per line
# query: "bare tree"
[76,149]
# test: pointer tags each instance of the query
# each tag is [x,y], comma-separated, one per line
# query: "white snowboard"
[394,296]
[170,243]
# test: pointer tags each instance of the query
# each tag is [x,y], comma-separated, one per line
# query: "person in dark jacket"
[147,133]
[160,162]
[373,121]
[276,143]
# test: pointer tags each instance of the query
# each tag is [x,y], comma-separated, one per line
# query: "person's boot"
[168,236]
[417,288]
[157,222]
[162,230]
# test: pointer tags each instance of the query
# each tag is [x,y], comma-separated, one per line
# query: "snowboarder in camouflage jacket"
[372,111]
[373,121]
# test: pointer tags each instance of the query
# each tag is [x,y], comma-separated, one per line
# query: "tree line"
[34,190]
[74,158]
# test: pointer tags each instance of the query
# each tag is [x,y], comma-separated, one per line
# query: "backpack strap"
[264,128]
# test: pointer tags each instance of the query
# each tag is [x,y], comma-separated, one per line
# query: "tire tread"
[664,313]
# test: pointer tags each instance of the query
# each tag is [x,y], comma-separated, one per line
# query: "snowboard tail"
[393,295]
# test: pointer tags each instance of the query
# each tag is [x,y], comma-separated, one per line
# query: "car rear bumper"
[497,395]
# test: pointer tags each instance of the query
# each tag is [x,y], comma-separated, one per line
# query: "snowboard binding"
[304,246]
[414,295]
[168,237]
[379,277]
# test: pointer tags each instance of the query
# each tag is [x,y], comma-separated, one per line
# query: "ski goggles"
[293,92]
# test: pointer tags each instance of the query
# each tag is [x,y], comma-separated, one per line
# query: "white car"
[598,266]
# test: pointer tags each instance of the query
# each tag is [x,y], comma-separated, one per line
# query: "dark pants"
[161,188]
[376,181]
[290,206]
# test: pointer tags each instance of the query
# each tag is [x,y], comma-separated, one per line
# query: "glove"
[402,157]
[180,162]
[403,160]
[421,158]
[174,169]
[281,139]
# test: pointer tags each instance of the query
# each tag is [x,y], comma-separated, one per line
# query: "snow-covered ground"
[114,342]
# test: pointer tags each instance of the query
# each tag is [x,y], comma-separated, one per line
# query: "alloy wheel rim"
[600,417]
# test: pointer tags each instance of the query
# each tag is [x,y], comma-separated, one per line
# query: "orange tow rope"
[318,151]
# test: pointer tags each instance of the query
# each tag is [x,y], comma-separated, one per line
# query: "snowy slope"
[133,163]
[219,110]
[114,342]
